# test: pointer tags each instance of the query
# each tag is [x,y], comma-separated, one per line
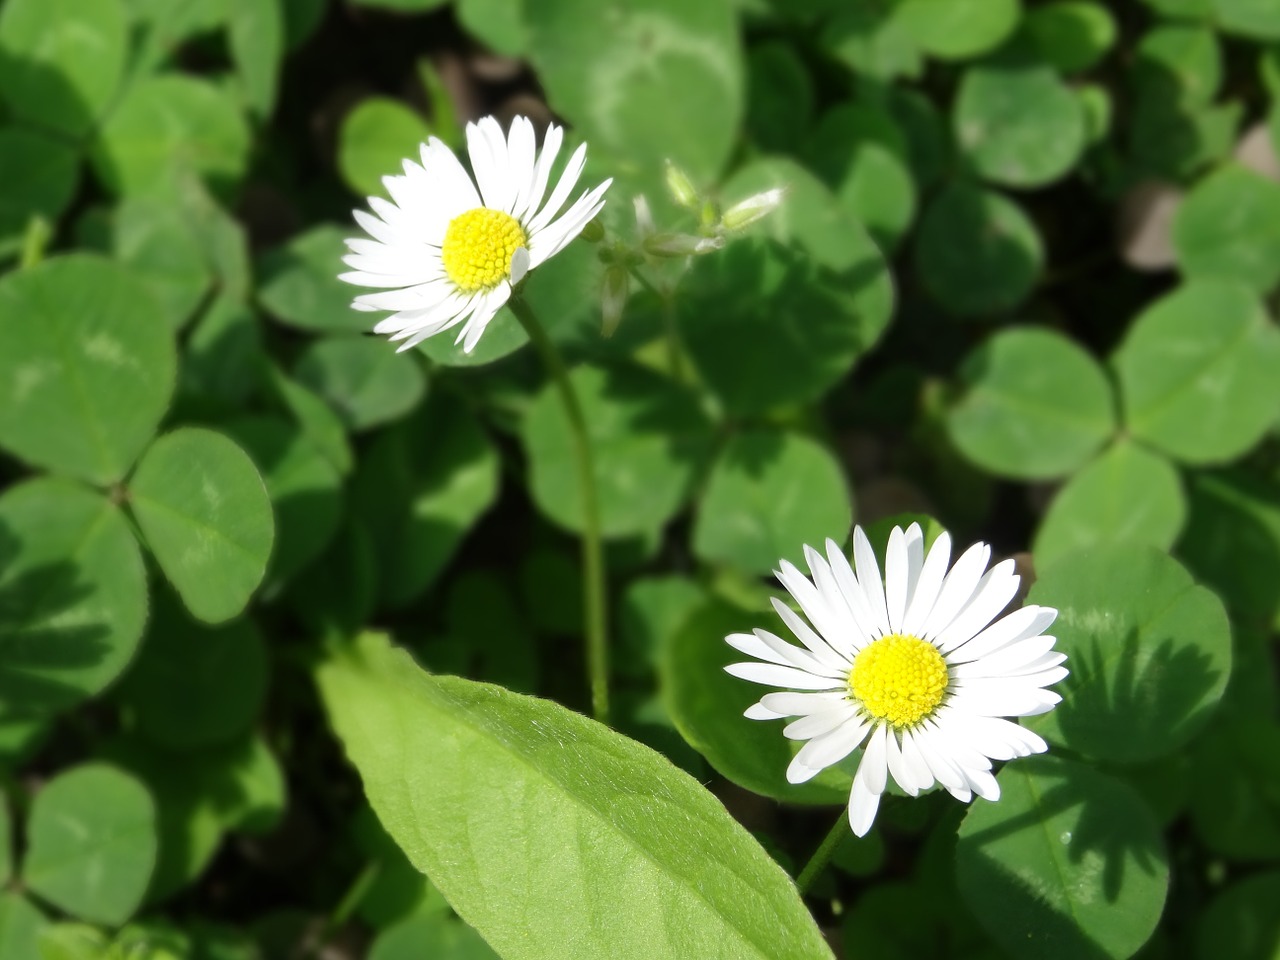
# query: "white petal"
[852,594]
[453,186]
[997,587]
[424,296]
[868,573]
[383,232]
[1008,660]
[1019,625]
[868,784]
[555,236]
[958,589]
[928,585]
[764,645]
[1002,698]
[777,676]
[522,148]
[843,628]
[550,149]
[994,737]
[940,766]
[488,150]
[816,607]
[821,752]
[919,770]
[897,766]
[519,265]
[806,635]
[788,704]
[568,180]
[903,562]
[758,711]
[488,307]
[817,724]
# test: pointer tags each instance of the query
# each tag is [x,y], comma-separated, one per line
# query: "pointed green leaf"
[86,367]
[630,858]
[205,513]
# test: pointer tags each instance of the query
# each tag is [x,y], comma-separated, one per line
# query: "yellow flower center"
[899,678]
[478,246]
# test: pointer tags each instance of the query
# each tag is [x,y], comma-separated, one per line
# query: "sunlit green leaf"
[671,875]
[1198,372]
[1228,228]
[1068,864]
[1149,652]
[364,379]
[1031,404]
[376,136]
[958,29]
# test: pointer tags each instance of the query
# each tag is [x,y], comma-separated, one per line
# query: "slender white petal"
[568,180]
[957,590]
[776,676]
[929,584]
[868,573]
[996,589]
[828,655]
[824,750]
[804,704]
[758,711]
[868,784]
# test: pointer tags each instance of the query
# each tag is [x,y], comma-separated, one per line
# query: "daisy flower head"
[915,666]
[446,249]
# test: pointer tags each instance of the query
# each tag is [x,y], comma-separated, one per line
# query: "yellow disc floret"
[478,246]
[898,678]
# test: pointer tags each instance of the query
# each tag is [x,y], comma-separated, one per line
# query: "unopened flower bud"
[681,187]
[593,232]
[756,207]
[680,245]
[613,298]
[644,218]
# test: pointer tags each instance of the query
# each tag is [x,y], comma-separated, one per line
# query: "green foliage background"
[1023,283]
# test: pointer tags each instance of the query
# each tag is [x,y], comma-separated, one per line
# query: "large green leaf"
[769,493]
[61,60]
[92,843]
[430,935]
[648,438]
[1067,865]
[644,80]
[206,515]
[1149,652]
[73,595]
[20,926]
[600,847]
[1241,921]
[1199,372]
[86,367]
[1032,404]
[958,29]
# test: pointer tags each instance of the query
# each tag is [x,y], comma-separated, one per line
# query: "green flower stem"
[818,862]
[595,617]
[675,358]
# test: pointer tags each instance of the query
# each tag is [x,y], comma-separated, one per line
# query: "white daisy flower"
[447,250]
[912,665]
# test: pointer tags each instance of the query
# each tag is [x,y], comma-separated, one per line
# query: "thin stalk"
[594,613]
[818,862]
[675,357]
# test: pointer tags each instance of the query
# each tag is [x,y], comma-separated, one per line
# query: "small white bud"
[680,245]
[681,187]
[613,298]
[756,207]
[644,218]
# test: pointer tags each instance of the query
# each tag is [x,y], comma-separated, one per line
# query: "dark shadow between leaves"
[42,632]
